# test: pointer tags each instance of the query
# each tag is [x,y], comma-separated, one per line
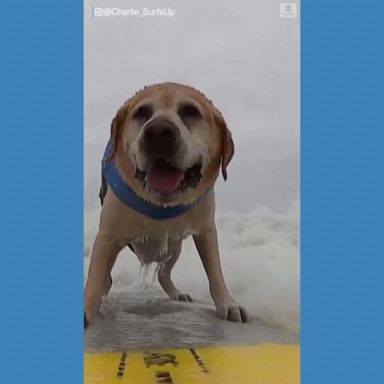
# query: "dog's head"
[169,142]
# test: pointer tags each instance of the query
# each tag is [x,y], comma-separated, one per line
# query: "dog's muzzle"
[162,147]
[161,138]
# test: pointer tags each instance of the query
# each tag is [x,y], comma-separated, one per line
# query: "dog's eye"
[143,113]
[189,111]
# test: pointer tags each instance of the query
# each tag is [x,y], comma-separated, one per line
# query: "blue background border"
[41,192]
[342,191]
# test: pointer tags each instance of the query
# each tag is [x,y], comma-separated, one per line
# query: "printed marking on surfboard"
[160,359]
[199,361]
[122,364]
[163,377]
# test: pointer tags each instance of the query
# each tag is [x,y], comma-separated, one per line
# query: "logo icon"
[288,10]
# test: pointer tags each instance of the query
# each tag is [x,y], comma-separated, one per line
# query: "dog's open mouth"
[165,179]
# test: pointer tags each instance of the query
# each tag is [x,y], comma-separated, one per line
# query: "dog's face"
[169,141]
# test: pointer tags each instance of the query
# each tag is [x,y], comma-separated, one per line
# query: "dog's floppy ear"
[117,127]
[227,146]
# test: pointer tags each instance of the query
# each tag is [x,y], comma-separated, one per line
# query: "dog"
[168,143]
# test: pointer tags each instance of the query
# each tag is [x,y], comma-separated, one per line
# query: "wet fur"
[161,241]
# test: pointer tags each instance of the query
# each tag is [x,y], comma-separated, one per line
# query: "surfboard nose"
[159,341]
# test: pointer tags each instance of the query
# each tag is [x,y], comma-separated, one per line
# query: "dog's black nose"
[161,135]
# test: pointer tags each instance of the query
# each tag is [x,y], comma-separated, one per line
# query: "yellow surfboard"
[260,364]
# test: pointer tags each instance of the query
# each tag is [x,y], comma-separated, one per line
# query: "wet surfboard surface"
[145,340]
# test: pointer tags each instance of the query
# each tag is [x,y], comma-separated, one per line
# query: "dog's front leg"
[226,306]
[104,254]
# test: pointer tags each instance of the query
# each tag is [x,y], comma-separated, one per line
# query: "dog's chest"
[158,241]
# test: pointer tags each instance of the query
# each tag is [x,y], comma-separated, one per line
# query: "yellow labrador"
[167,145]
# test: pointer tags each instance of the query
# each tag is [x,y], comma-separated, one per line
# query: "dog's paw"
[233,313]
[182,297]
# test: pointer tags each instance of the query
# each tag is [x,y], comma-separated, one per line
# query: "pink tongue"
[165,180]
